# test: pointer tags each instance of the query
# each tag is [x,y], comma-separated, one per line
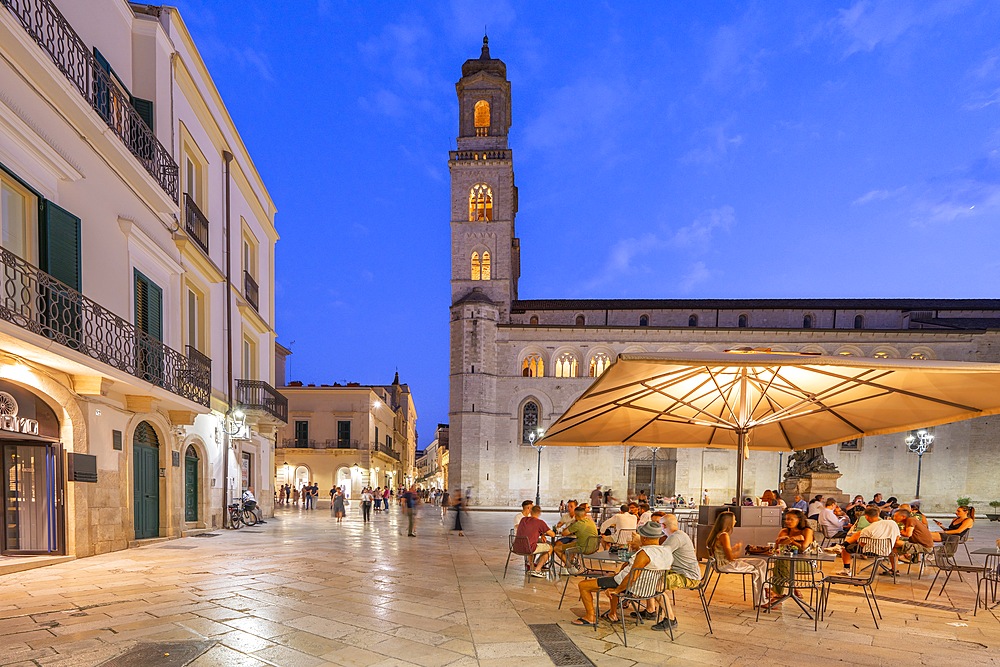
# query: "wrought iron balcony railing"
[298,443]
[33,300]
[259,395]
[388,451]
[250,290]
[52,32]
[195,223]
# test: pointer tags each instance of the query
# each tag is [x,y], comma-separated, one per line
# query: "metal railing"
[298,443]
[250,290]
[490,154]
[46,25]
[319,444]
[33,300]
[195,223]
[388,451]
[259,395]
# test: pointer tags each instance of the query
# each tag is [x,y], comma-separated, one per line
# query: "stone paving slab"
[307,591]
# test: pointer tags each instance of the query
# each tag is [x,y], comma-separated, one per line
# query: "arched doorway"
[344,480]
[191,484]
[146,483]
[301,476]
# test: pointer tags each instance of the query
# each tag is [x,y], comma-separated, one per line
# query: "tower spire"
[485,55]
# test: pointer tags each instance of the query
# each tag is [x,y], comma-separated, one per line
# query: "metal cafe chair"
[990,578]
[877,548]
[580,565]
[643,585]
[795,576]
[713,569]
[702,588]
[624,537]
[865,583]
[519,546]
[944,561]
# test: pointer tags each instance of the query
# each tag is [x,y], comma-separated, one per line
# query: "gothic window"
[481,267]
[480,202]
[881,354]
[482,118]
[598,364]
[743,321]
[807,322]
[859,321]
[644,320]
[918,356]
[532,366]
[692,320]
[566,365]
[580,320]
[529,421]
[534,320]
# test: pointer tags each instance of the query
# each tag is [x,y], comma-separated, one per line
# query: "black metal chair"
[991,578]
[713,568]
[944,561]
[702,587]
[877,548]
[580,566]
[643,585]
[795,575]
[865,583]
[519,546]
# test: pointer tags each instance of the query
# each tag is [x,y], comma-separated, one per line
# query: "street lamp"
[652,481]
[918,444]
[532,436]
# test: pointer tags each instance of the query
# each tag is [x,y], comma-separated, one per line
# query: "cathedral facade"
[517,365]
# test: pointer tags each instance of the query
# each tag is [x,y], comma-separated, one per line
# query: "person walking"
[377,495]
[409,498]
[458,505]
[339,505]
[366,504]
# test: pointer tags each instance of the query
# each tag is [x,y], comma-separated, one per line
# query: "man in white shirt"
[624,520]
[645,514]
[832,524]
[525,511]
[877,528]
[567,518]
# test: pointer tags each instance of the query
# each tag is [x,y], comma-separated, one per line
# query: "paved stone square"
[302,590]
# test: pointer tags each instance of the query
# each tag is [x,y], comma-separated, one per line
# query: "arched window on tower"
[480,202]
[566,365]
[644,320]
[486,266]
[532,366]
[692,320]
[581,320]
[743,322]
[534,320]
[598,364]
[859,321]
[529,421]
[807,321]
[482,118]
[477,267]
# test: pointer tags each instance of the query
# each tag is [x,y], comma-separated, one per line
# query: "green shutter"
[145,110]
[102,92]
[59,243]
[148,306]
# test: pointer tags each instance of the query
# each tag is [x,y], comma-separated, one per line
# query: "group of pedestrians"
[307,494]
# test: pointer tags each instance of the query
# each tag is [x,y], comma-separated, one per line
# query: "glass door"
[33,518]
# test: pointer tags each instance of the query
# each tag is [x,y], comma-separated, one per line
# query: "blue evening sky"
[661,149]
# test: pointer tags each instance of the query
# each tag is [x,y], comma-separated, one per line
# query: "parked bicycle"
[243,513]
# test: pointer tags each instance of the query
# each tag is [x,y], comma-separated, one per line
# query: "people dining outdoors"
[876,528]
[566,516]
[855,509]
[532,528]
[832,519]
[610,528]
[727,554]
[915,537]
[815,507]
[580,533]
[768,499]
[651,556]
[800,503]
[525,512]
[797,535]
[644,514]
[965,518]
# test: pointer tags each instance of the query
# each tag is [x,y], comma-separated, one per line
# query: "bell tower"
[485,249]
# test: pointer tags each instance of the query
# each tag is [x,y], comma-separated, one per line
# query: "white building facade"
[517,365]
[138,247]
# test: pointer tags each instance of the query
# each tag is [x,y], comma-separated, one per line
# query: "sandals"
[607,617]
[581,621]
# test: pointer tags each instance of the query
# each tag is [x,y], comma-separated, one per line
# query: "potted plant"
[995,515]
[964,501]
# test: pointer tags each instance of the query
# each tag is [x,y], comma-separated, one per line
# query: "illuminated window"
[532,366]
[743,322]
[482,118]
[529,421]
[580,320]
[533,320]
[882,354]
[692,320]
[486,266]
[598,364]
[918,355]
[480,202]
[807,322]
[477,266]
[566,365]
[859,321]
[644,320]
[18,222]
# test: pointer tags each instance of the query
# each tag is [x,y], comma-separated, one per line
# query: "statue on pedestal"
[809,473]
[801,464]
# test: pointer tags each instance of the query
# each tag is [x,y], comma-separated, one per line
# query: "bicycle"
[242,514]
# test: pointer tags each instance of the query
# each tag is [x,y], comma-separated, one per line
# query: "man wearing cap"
[651,556]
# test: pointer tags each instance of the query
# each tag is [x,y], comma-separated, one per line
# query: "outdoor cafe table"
[986,551]
[792,559]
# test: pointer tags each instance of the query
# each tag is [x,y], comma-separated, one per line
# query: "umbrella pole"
[743,438]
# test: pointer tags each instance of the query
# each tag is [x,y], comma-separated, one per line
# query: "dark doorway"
[32,503]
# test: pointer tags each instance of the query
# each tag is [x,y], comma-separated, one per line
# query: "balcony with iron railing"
[46,25]
[195,223]
[37,302]
[257,395]
[302,443]
[387,450]
[250,290]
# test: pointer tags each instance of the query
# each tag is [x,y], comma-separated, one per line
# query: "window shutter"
[59,243]
[148,306]
[102,93]
[145,110]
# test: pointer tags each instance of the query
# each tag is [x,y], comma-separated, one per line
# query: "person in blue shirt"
[800,503]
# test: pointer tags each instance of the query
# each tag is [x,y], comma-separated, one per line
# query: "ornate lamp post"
[652,480]
[532,436]
[919,443]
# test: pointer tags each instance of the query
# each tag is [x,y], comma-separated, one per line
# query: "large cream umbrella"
[770,401]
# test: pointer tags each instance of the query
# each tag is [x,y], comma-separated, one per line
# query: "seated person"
[918,538]
[815,507]
[624,520]
[581,534]
[532,528]
[644,514]
[965,518]
[566,517]
[915,511]
[651,556]
[681,502]
[877,528]
[832,520]
[798,534]
[727,554]
[525,512]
